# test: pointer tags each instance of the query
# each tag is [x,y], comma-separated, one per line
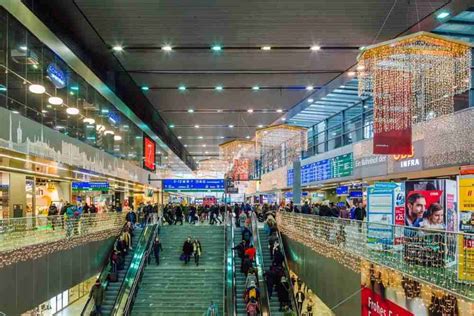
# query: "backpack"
[252,293]
[252,309]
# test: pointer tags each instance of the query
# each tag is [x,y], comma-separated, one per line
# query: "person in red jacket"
[251,251]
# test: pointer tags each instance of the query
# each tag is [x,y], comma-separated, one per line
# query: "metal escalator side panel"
[230,270]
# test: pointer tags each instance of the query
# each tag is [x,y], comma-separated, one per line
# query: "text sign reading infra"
[193,184]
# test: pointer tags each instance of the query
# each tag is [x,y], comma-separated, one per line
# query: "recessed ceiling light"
[315,48]
[179,137]
[55,100]
[442,15]
[167,48]
[219,111]
[196,126]
[248,137]
[250,110]
[37,89]
[222,137]
[182,88]
[219,88]
[200,137]
[72,111]
[360,67]
[255,88]
[190,111]
[260,126]
[171,125]
[309,88]
[310,100]
[266,48]
[117,137]
[23,47]
[216,48]
[185,145]
[351,73]
[118,48]
[283,119]
[279,111]
[145,88]
[204,145]
[231,126]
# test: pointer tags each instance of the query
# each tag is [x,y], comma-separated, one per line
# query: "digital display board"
[342,190]
[193,185]
[149,153]
[90,186]
[337,167]
[355,194]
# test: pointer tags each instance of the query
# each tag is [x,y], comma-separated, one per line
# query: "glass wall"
[36,83]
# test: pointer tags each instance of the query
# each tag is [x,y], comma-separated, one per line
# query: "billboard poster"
[149,153]
[425,204]
[465,244]
[241,169]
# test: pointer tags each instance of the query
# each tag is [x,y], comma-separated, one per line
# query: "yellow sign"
[466,219]
[466,258]
[466,194]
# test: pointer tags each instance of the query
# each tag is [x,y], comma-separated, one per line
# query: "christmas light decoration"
[413,78]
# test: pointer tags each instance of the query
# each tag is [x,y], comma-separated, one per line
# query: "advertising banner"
[149,153]
[241,169]
[465,245]
[373,304]
[425,204]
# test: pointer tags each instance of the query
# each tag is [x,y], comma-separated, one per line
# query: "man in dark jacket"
[306,209]
[282,288]
[246,265]
[179,215]
[360,212]
[240,249]
[157,248]
[131,216]
[187,250]
[97,293]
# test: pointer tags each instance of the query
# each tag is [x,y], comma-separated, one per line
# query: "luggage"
[182,257]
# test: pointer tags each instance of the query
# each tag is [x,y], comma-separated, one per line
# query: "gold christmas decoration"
[235,149]
[213,165]
[413,78]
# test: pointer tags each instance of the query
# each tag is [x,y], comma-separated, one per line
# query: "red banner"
[241,170]
[395,142]
[149,153]
[375,305]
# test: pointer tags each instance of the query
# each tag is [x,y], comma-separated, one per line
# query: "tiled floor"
[75,308]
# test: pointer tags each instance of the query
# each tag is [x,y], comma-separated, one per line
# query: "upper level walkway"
[436,257]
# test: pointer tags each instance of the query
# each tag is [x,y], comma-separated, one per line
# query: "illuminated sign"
[149,150]
[56,76]
[342,190]
[90,186]
[193,184]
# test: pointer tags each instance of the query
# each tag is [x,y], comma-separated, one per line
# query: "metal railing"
[20,232]
[231,293]
[427,255]
[264,299]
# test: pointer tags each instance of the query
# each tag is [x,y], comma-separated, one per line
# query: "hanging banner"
[465,245]
[241,169]
[374,304]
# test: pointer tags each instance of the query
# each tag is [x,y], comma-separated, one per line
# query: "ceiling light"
[231,126]
[72,111]
[35,66]
[44,111]
[351,73]
[279,111]
[59,127]
[71,93]
[283,119]
[250,110]
[145,88]
[179,137]
[222,137]
[185,145]
[206,152]
[196,126]
[219,88]
[118,48]
[442,15]
[204,145]
[219,111]
[255,88]
[190,111]
[266,48]
[315,48]
[109,132]
[200,137]
[260,126]
[309,88]
[23,47]
[216,48]
[37,89]
[3,88]
[167,48]
[310,100]
[88,120]
[182,88]
[75,88]
[248,137]
[171,125]
[117,137]
[55,100]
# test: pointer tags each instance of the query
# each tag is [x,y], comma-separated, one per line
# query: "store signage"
[410,162]
[355,194]
[56,76]
[371,166]
[337,167]
[90,186]
[191,185]
[342,190]
[149,153]
[375,305]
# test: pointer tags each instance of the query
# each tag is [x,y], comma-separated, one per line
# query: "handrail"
[264,308]
[287,275]
[224,306]
[140,254]
[231,264]
[103,278]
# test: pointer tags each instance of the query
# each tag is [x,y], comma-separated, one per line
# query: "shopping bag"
[182,257]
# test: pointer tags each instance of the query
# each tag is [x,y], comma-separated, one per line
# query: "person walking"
[52,214]
[179,215]
[97,293]
[131,216]
[187,250]
[157,249]
[197,250]
[300,300]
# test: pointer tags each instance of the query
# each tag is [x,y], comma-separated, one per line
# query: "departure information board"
[193,184]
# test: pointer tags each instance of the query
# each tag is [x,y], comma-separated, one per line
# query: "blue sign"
[114,117]
[193,184]
[290,177]
[342,190]
[56,76]
[90,186]
[355,194]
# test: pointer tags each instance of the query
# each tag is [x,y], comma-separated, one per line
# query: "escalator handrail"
[103,277]
[287,275]
[140,271]
[231,262]
[264,308]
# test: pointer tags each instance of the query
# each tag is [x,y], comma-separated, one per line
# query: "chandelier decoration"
[239,155]
[274,136]
[412,79]
[213,165]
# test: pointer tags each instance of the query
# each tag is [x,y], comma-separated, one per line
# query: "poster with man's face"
[424,204]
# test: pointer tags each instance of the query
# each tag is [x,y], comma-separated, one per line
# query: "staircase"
[239,276]
[113,288]
[267,263]
[173,288]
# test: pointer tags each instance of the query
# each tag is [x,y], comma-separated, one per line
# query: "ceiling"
[241,28]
